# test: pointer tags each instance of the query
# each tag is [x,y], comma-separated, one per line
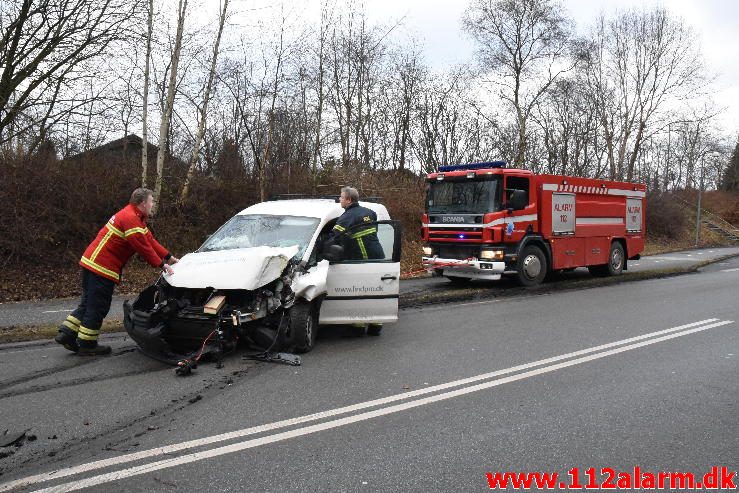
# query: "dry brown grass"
[23,333]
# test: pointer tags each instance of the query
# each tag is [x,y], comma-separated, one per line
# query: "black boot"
[68,340]
[96,350]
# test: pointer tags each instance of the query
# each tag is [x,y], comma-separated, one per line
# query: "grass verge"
[25,333]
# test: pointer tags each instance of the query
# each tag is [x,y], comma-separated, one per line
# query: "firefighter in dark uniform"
[360,243]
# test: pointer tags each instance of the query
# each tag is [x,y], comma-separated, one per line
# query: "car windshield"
[472,197]
[246,231]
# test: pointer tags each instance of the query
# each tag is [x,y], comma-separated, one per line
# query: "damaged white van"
[268,277]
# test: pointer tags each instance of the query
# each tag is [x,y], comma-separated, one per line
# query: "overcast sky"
[436,23]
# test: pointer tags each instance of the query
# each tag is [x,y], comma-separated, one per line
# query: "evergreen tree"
[730,180]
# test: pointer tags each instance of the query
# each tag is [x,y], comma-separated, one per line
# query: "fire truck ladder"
[713,222]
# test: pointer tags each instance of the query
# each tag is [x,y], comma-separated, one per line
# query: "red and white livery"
[483,220]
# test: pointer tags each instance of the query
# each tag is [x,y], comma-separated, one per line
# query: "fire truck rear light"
[440,177]
[428,251]
[461,237]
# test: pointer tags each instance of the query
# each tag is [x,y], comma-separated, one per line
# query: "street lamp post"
[714,155]
[698,211]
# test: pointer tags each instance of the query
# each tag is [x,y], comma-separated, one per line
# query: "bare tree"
[204,107]
[145,110]
[42,44]
[169,103]
[525,40]
[639,64]
[320,95]
[271,113]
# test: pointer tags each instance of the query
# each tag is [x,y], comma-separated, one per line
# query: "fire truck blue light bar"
[485,165]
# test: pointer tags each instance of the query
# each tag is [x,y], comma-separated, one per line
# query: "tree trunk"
[144,125]
[204,110]
[169,103]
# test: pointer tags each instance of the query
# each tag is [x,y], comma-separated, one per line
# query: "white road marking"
[57,311]
[478,303]
[160,451]
[660,258]
[278,437]
[730,270]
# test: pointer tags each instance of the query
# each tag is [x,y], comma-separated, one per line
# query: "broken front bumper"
[160,331]
[473,268]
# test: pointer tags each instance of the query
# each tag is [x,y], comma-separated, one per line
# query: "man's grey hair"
[352,193]
[140,195]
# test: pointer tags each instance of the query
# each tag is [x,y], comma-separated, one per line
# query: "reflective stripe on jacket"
[123,235]
[361,243]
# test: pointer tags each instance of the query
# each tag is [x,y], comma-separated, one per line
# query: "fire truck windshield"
[460,197]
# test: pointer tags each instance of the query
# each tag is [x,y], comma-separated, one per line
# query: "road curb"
[479,294]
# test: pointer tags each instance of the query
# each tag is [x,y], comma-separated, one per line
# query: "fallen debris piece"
[13,438]
[185,367]
[195,399]
[269,357]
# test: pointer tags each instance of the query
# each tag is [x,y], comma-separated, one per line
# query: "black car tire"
[531,267]
[303,326]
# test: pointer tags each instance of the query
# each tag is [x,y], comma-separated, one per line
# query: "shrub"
[665,216]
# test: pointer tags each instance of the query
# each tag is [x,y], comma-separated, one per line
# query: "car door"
[365,290]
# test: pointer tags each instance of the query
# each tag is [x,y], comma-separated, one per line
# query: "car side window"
[517,183]
[316,255]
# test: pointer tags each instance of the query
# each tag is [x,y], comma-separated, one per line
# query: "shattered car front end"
[238,287]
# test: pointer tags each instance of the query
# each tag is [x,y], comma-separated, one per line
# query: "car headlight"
[428,251]
[491,255]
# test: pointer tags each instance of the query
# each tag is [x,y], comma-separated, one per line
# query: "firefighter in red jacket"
[122,236]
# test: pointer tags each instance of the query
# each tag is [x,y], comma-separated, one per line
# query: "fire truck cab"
[483,220]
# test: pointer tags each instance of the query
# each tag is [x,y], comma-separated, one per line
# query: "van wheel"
[303,326]
[615,265]
[531,267]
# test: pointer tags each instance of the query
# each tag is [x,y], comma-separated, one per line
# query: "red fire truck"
[483,220]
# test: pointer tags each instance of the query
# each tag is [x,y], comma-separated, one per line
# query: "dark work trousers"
[86,320]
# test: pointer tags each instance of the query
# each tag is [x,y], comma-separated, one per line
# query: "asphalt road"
[633,374]
[52,311]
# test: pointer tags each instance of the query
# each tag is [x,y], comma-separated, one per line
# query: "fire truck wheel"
[532,266]
[615,263]
[303,326]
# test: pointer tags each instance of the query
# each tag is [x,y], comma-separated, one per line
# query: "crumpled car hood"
[242,268]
